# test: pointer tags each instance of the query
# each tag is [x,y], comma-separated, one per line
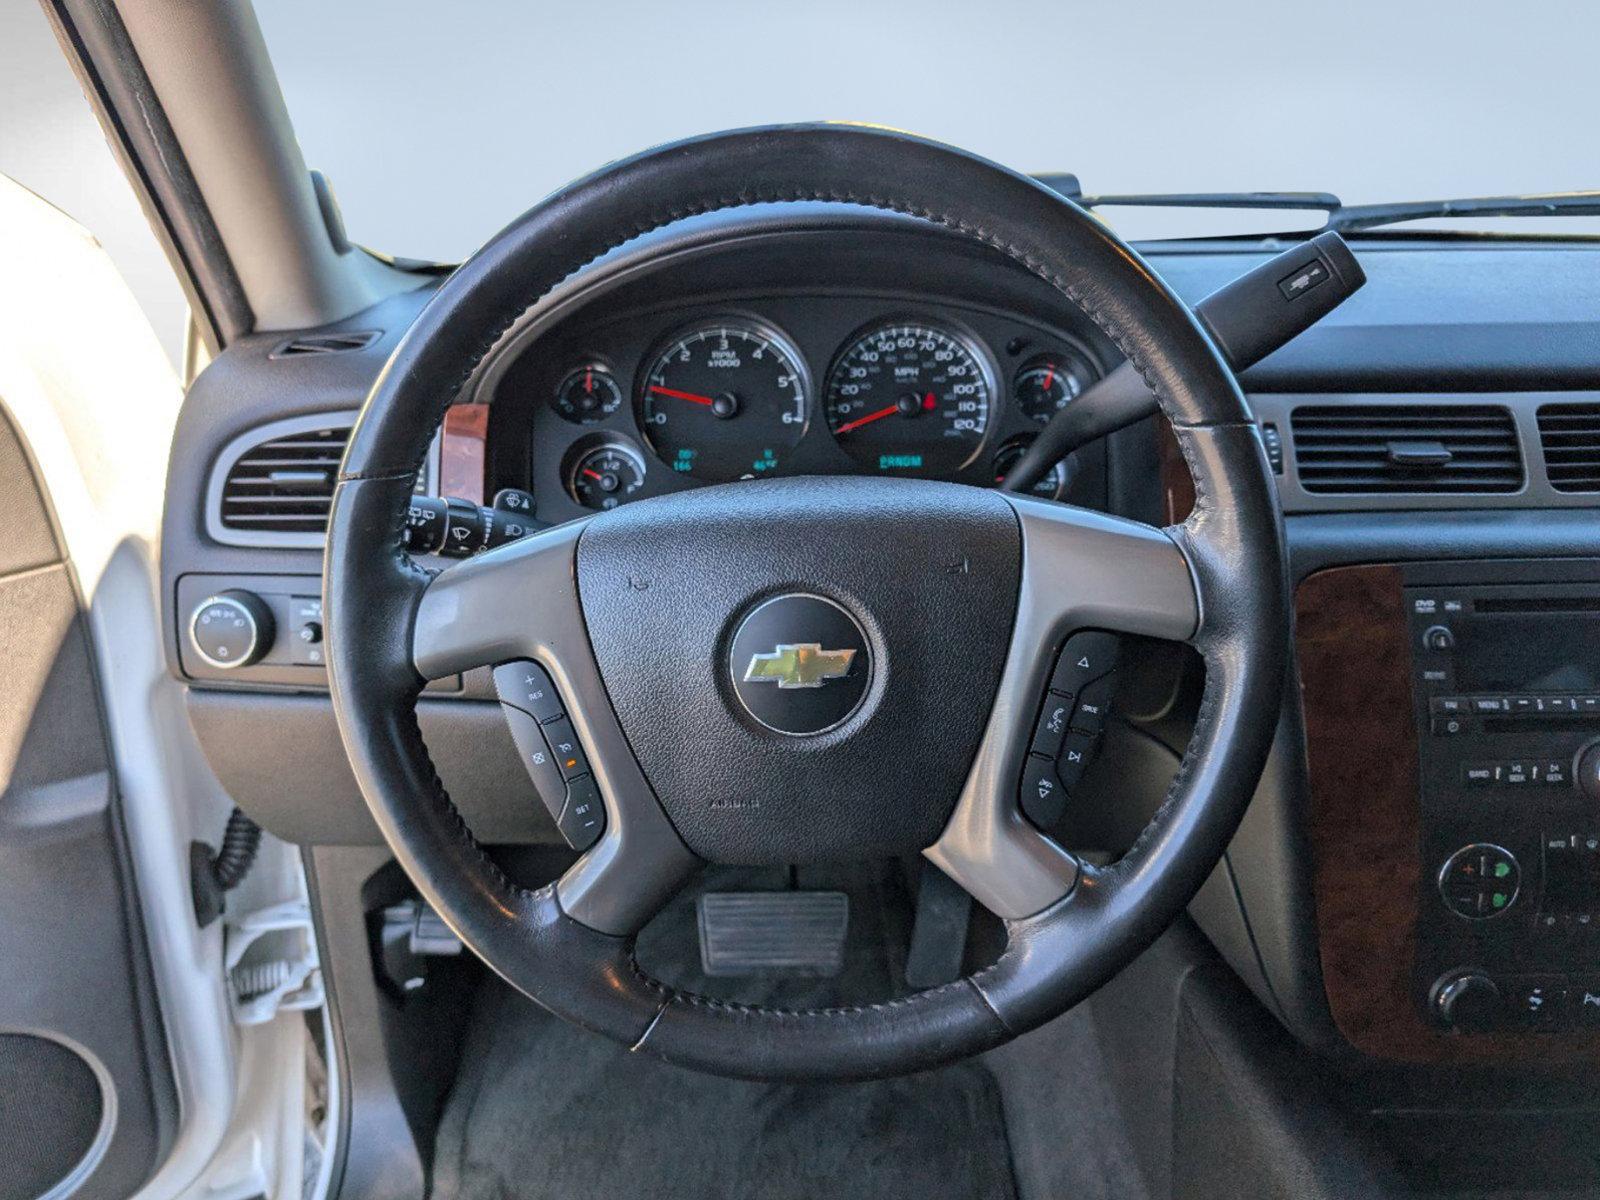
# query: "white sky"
[440,122]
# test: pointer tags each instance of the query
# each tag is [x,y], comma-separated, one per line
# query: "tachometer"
[909,399]
[724,401]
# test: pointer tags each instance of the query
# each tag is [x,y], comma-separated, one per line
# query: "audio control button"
[1438,638]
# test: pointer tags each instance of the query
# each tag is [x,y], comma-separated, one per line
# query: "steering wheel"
[955,599]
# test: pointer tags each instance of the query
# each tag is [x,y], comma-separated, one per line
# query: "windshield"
[439,123]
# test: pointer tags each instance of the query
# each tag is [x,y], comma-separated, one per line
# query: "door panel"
[87,1100]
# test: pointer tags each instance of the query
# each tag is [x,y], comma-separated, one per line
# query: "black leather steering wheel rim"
[1231,547]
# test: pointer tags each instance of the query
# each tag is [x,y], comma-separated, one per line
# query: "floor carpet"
[544,1110]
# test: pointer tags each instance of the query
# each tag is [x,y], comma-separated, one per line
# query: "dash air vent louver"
[325,343]
[1374,449]
[285,485]
[1570,437]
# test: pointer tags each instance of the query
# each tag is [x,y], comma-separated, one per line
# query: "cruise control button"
[525,685]
[1052,726]
[1085,657]
[584,818]
[1093,702]
[1040,795]
[1076,751]
[563,741]
[536,757]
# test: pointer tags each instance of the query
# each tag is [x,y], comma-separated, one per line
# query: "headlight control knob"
[231,629]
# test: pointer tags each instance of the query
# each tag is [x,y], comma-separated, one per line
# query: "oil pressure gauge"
[587,394]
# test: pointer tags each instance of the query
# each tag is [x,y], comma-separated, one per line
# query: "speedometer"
[724,400]
[910,398]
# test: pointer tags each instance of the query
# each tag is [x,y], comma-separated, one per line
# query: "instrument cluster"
[800,385]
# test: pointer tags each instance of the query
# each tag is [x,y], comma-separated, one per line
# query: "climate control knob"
[231,629]
[1467,1000]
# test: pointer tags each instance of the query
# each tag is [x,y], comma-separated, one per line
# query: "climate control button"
[1480,881]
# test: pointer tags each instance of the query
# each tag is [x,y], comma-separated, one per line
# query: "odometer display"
[909,399]
[724,401]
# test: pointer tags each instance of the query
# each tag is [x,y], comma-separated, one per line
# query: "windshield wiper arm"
[1555,204]
[1342,218]
[1069,187]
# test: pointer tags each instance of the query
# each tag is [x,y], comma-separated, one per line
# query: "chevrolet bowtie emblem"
[804,665]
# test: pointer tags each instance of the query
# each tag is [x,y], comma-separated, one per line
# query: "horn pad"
[804,666]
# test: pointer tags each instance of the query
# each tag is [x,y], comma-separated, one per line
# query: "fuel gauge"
[606,476]
[1047,384]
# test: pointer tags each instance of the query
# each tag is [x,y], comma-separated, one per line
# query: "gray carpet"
[543,1110]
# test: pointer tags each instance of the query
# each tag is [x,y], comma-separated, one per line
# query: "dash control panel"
[1506,692]
[549,748]
[1066,733]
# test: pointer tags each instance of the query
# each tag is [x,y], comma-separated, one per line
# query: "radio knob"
[1467,1000]
[231,629]
[1589,771]
[1438,638]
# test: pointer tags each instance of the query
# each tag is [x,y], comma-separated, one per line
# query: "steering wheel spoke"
[1081,570]
[520,603]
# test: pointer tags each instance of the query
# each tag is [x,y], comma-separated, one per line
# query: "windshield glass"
[439,123]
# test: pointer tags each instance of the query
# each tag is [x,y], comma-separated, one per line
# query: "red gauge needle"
[1049,377]
[588,380]
[592,474]
[868,419]
[677,395]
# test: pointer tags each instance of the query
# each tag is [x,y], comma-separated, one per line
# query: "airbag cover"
[927,573]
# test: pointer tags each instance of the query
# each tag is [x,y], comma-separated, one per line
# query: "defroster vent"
[1374,449]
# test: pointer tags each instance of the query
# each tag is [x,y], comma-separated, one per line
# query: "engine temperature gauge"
[606,477]
[587,394]
[1050,382]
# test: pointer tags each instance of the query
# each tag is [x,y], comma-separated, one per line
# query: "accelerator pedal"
[763,933]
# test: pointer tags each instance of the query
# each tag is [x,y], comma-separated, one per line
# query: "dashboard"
[841,352]
[776,385]
[814,350]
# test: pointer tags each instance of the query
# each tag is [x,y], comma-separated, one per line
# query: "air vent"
[285,485]
[325,343]
[1570,437]
[1371,449]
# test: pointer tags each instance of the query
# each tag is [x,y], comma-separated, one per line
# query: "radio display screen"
[1546,651]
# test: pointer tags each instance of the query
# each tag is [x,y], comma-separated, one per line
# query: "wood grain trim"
[1354,653]
[463,451]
